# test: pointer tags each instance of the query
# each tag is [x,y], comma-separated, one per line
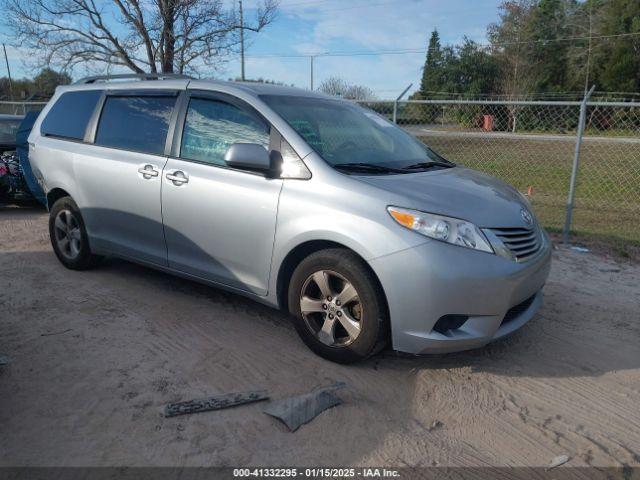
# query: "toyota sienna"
[305,202]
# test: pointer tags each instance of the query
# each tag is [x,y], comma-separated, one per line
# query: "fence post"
[395,103]
[574,168]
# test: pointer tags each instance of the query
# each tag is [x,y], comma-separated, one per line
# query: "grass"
[607,198]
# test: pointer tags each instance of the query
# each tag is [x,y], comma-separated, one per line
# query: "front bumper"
[424,283]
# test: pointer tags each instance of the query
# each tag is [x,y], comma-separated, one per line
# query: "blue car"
[17,183]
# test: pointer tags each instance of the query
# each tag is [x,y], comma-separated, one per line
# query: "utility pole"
[6,59]
[242,42]
[312,59]
[586,79]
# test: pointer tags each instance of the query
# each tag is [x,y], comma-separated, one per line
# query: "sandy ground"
[97,355]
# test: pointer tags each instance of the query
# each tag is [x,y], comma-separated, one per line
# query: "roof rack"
[133,76]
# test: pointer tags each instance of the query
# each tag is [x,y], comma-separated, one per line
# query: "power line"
[352,7]
[566,39]
[310,2]
[406,51]
[364,5]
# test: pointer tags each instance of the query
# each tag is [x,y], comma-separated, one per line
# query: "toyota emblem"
[526,216]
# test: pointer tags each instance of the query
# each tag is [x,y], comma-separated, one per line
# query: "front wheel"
[338,305]
[69,236]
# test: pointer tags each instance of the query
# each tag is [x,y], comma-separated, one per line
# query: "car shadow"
[28,208]
[551,345]
[547,346]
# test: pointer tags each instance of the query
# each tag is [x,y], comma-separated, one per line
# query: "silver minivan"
[311,204]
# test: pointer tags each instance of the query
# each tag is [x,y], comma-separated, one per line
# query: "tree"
[510,39]
[432,74]
[512,47]
[582,22]
[360,92]
[42,86]
[539,47]
[466,69]
[337,86]
[45,83]
[260,80]
[144,36]
[17,90]
[334,86]
[548,24]
[473,70]
[617,59]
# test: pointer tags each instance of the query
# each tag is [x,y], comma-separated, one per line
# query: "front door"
[219,222]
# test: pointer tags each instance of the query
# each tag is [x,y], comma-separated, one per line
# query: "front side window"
[138,123]
[212,126]
[69,116]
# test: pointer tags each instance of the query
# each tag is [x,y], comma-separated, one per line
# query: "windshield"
[344,133]
[8,130]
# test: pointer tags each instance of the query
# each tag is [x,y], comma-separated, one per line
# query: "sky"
[313,27]
[306,27]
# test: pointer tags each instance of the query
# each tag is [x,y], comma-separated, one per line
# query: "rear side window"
[69,116]
[212,126]
[8,130]
[135,123]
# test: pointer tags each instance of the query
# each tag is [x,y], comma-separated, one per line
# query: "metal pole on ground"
[395,103]
[6,59]
[574,168]
[242,77]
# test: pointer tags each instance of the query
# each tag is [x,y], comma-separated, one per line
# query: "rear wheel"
[338,305]
[69,237]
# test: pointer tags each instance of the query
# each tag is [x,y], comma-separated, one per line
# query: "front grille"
[524,243]
[515,312]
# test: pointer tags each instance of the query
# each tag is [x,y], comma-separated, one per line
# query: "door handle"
[148,171]
[178,177]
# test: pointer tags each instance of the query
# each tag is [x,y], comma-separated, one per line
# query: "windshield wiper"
[426,165]
[368,167]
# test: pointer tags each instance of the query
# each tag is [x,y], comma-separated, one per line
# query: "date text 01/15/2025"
[316,472]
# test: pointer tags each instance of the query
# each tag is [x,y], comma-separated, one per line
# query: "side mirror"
[250,156]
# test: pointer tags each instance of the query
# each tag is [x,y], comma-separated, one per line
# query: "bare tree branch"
[140,35]
[337,86]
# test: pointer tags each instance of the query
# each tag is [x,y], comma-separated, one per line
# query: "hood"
[457,192]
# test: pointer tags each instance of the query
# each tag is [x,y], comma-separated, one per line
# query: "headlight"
[445,229]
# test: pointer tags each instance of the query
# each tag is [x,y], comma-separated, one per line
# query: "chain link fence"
[532,145]
[20,108]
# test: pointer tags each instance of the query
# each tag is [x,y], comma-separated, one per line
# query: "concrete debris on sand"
[298,410]
[217,402]
[579,249]
[557,461]
[435,425]
[49,334]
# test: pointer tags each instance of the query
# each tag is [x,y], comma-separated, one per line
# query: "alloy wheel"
[331,308]
[67,234]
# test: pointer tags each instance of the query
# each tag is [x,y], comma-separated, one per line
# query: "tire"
[65,221]
[338,339]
